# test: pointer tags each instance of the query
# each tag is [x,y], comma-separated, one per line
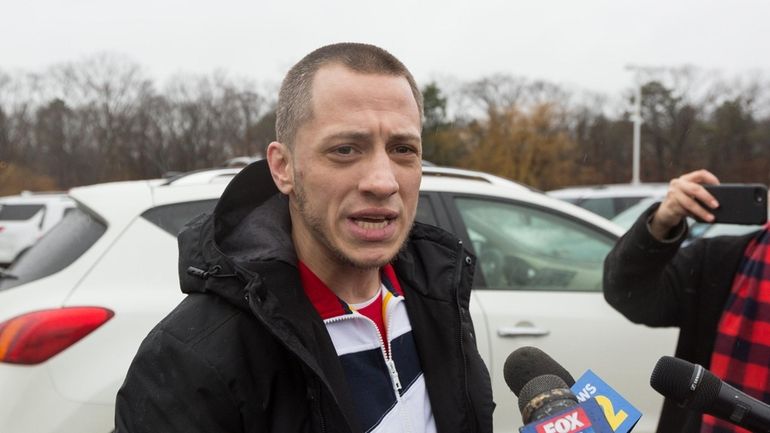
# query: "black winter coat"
[246,351]
[660,284]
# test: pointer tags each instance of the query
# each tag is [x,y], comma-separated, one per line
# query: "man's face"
[356,168]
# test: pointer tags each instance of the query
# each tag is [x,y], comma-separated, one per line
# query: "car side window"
[623,203]
[425,211]
[19,212]
[525,248]
[173,217]
[61,246]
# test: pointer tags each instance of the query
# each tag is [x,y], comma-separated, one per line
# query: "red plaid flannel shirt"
[741,354]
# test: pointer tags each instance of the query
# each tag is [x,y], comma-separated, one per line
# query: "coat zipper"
[386,353]
[388,357]
[462,258]
[316,397]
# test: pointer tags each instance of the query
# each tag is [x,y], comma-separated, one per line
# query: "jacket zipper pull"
[393,374]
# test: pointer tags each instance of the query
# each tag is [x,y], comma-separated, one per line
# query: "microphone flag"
[621,415]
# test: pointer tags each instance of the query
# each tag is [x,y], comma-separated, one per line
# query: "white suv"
[27,217]
[609,200]
[74,309]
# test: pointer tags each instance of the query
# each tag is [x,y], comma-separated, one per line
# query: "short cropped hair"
[294,99]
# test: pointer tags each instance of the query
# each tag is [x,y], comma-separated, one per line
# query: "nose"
[379,177]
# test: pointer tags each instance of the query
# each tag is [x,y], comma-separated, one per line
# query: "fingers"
[681,202]
[689,188]
[701,176]
[684,198]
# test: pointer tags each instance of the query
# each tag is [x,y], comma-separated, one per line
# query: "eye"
[404,149]
[344,150]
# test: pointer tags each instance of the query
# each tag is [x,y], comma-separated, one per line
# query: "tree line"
[103,119]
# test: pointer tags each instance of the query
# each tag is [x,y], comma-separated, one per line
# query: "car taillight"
[35,337]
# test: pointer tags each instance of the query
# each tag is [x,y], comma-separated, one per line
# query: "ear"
[279,160]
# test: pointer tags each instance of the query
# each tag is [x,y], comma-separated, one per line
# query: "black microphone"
[696,388]
[546,402]
[540,383]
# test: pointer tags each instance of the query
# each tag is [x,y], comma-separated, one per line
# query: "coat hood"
[250,225]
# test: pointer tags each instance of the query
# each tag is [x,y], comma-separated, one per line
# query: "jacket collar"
[329,304]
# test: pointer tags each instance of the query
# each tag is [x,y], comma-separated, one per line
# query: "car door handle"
[521,330]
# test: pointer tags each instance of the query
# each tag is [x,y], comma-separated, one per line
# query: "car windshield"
[61,246]
[18,212]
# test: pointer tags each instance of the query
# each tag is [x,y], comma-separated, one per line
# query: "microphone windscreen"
[527,363]
[685,383]
[543,384]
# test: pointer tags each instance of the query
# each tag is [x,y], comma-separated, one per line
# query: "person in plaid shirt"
[716,290]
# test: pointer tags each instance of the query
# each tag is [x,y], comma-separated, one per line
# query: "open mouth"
[372,223]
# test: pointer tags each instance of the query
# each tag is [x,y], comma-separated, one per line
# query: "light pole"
[637,118]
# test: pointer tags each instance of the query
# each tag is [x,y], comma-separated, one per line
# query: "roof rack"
[27,193]
[203,176]
[459,173]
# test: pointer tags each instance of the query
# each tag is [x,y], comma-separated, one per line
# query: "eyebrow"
[367,136]
[405,137]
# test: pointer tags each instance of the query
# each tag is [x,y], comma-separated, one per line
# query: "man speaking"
[315,302]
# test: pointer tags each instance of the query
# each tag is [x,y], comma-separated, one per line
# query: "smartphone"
[739,203]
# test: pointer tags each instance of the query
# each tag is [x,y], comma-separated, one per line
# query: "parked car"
[25,218]
[609,200]
[75,308]
[705,230]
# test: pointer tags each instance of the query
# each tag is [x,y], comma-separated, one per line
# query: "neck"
[350,284]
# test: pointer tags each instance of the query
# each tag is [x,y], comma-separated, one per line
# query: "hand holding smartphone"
[739,203]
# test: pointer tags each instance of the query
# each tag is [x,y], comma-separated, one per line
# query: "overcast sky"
[580,43]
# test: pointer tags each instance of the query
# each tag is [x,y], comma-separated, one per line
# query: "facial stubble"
[315,225]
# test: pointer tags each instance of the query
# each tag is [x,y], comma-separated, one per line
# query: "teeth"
[368,225]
